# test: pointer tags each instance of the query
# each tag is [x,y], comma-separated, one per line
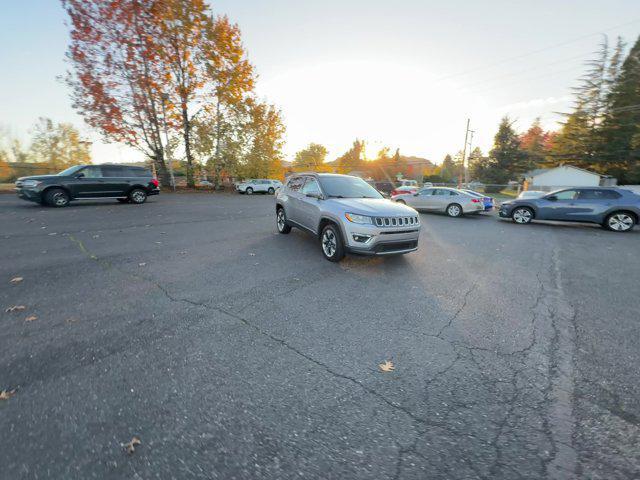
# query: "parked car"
[613,208]
[403,189]
[205,183]
[260,185]
[451,201]
[408,183]
[531,194]
[487,201]
[347,215]
[384,187]
[85,182]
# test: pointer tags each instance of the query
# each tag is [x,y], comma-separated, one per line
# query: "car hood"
[371,206]
[36,177]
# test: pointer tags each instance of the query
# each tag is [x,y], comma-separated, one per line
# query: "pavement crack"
[455,316]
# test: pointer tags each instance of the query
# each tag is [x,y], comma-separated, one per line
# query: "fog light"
[361,238]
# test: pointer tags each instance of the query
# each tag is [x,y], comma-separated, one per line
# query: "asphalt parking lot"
[233,352]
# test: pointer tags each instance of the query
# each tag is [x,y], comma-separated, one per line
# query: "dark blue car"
[486,201]
[614,208]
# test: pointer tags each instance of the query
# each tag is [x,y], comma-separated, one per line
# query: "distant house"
[564,176]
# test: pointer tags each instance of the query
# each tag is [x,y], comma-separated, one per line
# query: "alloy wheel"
[620,222]
[522,215]
[281,220]
[329,243]
[453,210]
[138,196]
[60,199]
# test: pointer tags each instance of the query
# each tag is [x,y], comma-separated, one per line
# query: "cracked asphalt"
[233,352]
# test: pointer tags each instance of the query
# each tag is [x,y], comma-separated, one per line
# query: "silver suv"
[347,215]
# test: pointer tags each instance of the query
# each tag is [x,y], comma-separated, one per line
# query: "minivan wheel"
[57,197]
[331,242]
[249,191]
[138,196]
[522,215]
[619,222]
[454,210]
[281,221]
[271,191]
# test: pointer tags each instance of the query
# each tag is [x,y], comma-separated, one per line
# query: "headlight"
[30,183]
[361,219]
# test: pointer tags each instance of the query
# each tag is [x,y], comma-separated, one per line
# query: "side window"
[113,172]
[311,186]
[453,193]
[441,192]
[598,195]
[91,172]
[427,191]
[567,195]
[295,183]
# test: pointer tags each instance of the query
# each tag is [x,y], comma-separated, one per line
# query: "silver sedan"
[451,201]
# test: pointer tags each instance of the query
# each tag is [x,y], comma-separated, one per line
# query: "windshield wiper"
[335,196]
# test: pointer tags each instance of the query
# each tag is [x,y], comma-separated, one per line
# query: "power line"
[534,52]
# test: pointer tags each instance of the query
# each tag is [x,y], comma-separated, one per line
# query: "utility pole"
[466,169]
[464,153]
[166,136]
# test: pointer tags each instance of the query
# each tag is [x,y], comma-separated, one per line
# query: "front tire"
[454,210]
[522,215]
[619,222]
[281,221]
[249,191]
[331,243]
[57,197]
[137,196]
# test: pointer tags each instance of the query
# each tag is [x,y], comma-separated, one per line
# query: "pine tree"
[621,127]
[506,158]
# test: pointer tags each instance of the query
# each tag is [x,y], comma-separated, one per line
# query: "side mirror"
[552,198]
[416,194]
[314,195]
[80,175]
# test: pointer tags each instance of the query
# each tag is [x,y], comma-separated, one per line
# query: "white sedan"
[451,201]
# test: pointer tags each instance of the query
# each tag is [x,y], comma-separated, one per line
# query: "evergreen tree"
[620,148]
[505,159]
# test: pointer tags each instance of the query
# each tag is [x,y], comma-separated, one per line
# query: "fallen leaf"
[130,447]
[96,236]
[142,264]
[6,394]
[15,308]
[31,318]
[71,320]
[387,366]
[16,279]
[252,254]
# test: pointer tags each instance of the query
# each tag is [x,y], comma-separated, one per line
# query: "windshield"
[70,170]
[348,187]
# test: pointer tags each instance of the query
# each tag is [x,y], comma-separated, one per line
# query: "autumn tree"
[310,158]
[59,145]
[118,79]
[264,137]
[533,144]
[352,159]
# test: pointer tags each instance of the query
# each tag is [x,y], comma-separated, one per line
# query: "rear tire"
[271,191]
[619,222]
[522,215]
[57,197]
[331,243]
[454,210]
[137,196]
[281,221]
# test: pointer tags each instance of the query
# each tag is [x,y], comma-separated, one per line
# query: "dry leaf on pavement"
[130,447]
[16,279]
[6,394]
[142,264]
[15,308]
[387,366]
[31,318]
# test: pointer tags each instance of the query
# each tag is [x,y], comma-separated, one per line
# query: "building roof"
[538,171]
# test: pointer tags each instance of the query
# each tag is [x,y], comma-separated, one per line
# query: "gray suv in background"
[616,209]
[347,215]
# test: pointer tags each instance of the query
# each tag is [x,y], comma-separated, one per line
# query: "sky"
[404,74]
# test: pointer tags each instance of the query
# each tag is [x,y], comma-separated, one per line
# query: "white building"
[564,176]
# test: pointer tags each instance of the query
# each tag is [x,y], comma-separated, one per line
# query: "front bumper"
[504,211]
[373,240]
[29,194]
[154,191]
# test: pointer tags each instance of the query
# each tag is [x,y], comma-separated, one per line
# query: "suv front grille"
[396,221]
[396,247]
